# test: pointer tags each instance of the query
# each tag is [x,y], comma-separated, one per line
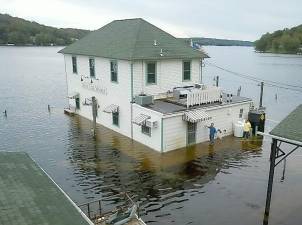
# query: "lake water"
[224,184]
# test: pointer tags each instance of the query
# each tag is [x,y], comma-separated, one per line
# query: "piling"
[270,181]
[94,114]
[5,113]
[261,94]
[239,91]
[217,81]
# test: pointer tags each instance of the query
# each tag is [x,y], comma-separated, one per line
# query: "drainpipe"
[162,136]
[143,77]
[131,101]
[66,78]
[200,72]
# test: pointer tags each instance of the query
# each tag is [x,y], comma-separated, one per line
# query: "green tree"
[281,41]
[262,44]
[17,38]
[290,44]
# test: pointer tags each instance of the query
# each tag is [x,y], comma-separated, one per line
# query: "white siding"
[153,141]
[175,129]
[223,118]
[117,93]
[175,133]
[169,75]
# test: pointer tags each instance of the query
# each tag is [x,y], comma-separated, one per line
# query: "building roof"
[132,39]
[290,127]
[167,107]
[29,197]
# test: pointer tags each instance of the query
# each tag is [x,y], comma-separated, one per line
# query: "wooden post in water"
[94,114]
[270,181]
[217,81]
[261,94]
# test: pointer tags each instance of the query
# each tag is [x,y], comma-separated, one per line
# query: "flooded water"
[224,184]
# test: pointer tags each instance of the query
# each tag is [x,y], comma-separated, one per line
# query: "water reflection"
[111,163]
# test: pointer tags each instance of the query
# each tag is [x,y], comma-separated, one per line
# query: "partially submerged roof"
[132,39]
[290,127]
[29,197]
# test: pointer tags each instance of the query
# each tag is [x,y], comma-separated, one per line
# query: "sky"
[230,19]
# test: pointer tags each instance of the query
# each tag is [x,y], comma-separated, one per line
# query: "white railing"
[199,96]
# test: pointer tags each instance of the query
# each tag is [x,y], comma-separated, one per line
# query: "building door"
[191,133]
[77,102]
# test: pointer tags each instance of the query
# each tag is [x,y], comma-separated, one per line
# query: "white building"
[145,82]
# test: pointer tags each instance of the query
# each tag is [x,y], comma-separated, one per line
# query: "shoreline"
[283,53]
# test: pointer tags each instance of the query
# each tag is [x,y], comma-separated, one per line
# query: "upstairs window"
[151,73]
[186,68]
[92,67]
[115,118]
[113,69]
[74,64]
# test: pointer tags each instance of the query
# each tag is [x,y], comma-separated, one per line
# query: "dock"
[30,197]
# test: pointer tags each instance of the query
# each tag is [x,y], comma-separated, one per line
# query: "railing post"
[88,208]
[100,207]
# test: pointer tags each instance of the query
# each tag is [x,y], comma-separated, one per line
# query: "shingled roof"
[290,127]
[132,39]
[28,196]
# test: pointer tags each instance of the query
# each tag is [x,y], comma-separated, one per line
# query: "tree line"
[17,31]
[281,41]
[220,42]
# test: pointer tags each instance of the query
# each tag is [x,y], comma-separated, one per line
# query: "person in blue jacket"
[213,131]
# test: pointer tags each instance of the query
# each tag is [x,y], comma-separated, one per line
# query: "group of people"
[246,131]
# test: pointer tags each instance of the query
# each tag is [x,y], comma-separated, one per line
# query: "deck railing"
[199,96]
[93,209]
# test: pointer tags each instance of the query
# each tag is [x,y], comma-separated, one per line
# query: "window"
[186,68]
[113,69]
[92,67]
[240,113]
[115,118]
[74,64]
[146,130]
[151,73]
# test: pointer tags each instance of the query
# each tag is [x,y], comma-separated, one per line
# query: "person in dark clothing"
[213,131]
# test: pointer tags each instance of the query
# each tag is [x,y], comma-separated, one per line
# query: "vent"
[161,52]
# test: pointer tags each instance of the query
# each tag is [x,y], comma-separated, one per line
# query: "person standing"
[246,129]
[213,131]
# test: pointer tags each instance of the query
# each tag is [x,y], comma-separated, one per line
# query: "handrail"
[199,96]
[99,201]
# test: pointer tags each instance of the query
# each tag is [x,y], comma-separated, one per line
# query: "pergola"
[287,131]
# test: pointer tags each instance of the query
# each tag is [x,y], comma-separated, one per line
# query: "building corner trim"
[162,136]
